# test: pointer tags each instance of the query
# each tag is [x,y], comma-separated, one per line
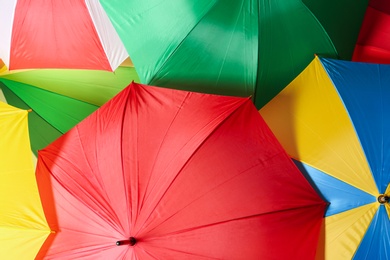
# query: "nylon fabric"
[111,43]
[94,87]
[236,47]
[61,34]
[367,107]
[376,240]
[60,111]
[22,221]
[342,196]
[373,45]
[307,138]
[142,166]
[342,20]
[332,120]
[40,131]
[345,231]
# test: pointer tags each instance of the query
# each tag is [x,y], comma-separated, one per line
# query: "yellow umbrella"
[23,226]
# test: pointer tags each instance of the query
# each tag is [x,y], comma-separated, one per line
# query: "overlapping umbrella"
[158,173]
[60,98]
[334,120]
[342,21]
[23,227]
[239,48]
[373,44]
[58,34]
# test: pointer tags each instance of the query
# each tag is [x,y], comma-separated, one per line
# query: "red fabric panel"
[55,34]
[373,44]
[190,175]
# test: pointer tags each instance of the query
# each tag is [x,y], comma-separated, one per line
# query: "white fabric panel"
[112,44]
[7,11]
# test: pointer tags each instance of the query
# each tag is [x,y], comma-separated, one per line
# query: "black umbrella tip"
[383,198]
[131,241]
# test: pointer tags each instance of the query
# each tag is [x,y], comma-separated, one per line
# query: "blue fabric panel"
[365,91]
[376,241]
[340,195]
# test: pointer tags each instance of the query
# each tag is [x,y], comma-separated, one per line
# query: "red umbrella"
[159,173]
[373,43]
[58,34]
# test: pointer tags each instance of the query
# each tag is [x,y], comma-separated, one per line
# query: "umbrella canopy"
[236,48]
[158,173]
[59,34]
[341,20]
[23,227]
[373,44]
[60,98]
[333,119]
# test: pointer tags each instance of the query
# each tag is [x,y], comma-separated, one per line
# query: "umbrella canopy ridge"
[172,174]
[333,120]
[60,34]
[23,226]
[238,48]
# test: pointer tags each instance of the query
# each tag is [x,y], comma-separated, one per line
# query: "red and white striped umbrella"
[75,34]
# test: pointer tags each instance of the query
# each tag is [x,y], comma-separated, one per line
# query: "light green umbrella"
[61,98]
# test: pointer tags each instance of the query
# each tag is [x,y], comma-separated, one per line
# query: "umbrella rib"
[226,117]
[84,192]
[179,251]
[331,149]
[106,198]
[159,149]
[230,220]
[351,224]
[178,46]
[204,194]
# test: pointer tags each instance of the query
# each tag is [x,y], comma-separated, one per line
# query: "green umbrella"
[341,20]
[239,48]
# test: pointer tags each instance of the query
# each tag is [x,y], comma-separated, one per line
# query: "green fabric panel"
[91,86]
[219,52]
[289,37]
[155,29]
[41,132]
[59,111]
[231,47]
[342,20]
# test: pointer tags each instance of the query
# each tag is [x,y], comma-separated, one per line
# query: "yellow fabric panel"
[20,203]
[127,62]
[310,121]
[2,66]
[344,231]
[20,244]
[14,139]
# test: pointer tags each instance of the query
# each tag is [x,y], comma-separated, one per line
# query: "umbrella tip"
[383,198]
[131,241]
